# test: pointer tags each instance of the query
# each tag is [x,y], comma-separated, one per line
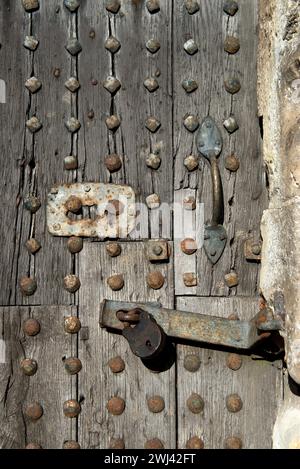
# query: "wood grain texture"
[257,382]
[244,191]
[97,384]
[50,386]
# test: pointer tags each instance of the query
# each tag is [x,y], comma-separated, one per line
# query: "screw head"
[232,85]
[73,47]
[231,45]
[234,361]
[71,408]
[31,327]
[33,84]
[112,44]
[71,444]
[234,403]
[190,47]
[151,84]
[153,161]
[156,404]
[34,411]
[73,125]
[191,122]
[154,443]
[112,122]
[232,163]
[112,84]
[195,403]
[75,244]
[70,162]
[33,124]
[116,443]
[33,245]
[153,201]
[113,249]
[28,286]
[153,45]
[31,43]
[195,443]
[192,363]
[157,249]
[189,85]
[188,246]
[29,366]
[116,405]
[116,282]
[72,84]
[113,162]
[71,283]
[72,324]
[72,5]
[73,365]
[256,249]
[153,6]
[192,6]
[155,280]
[233,442]
[113,6]
[116,364]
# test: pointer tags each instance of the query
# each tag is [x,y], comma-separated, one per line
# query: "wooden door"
[132,79]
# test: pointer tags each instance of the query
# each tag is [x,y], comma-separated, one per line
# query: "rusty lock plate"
[113,205]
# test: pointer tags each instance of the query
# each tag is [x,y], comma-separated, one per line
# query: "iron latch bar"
[195,327]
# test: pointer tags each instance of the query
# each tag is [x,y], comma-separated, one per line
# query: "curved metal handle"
[218,199]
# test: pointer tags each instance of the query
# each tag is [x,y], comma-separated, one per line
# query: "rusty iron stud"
[232,163]
[32,203]
[231,279]
[191,162]
[29,366]
[28,286]
[151,84]
[256,249]
[72,5]
[33,245]
[188,246]
[231,45]
[31,327]
[234,403]
[189,85]
[71,283]
[189,203]
[56,72]
[73,125]
[153,45]
[33,84]
[33,124]
[191,122]
[92,34]
[252,249]
[192,6]
[190,47]
[195,403]
[73,204]
[192,363]
[112,122]
[155,280]
[31,5]
[116,443]
[75,244]
[34,411]
[70,162]
[72,84]
[94,82]
[194,443]
[153,6]
[73,46]
[153,161]
[72,324]
[113,162]
[153,201]
[31,43]
[112,44]
[112,84]
[154,443]
[230,7]
[234,361]
[113,249]
[71,408]
[113,5]
[156,404]
[158,250]
[231,124]
[152,124]
[190,279]
[233,442]
[71,444]
[116,405]
[73,365]
[232,85]
[33,445]
[116,282]
[116,364]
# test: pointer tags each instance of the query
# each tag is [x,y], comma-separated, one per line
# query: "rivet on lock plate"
[113,210]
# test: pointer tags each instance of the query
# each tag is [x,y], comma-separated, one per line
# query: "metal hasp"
[209,144]
[193,326]
[113,210]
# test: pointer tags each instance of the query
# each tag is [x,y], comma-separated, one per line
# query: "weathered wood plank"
[50,386]
[97,383]
[257,382]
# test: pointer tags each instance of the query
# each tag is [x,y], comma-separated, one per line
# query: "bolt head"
[28,286]
[72,324]
[29,366]
[112,122]
[33,124]
[116,405]
[233,442]
[192,6]
[71,444]
[190,47]
[33,246]
[32,203]
[72,84]
[31,327]
[195,403]
[116,364]
[31,5]
[73,125]
[71,408]
[112,84]
[230,7]
[231,124]
[156,404]
[73,47]
[113,162]
[154,443]
[75,244]
[113,249]
[231,45]
[153,45]
[191,162]
[232,163]
[189,203]
[190,279]
[232,85]
[73,365]
[70,162]
[113,6]
[234,361]
[191,122]
[73,204]
[231,279]
[189,85]
[116,443]
[151,84]
[188,246]
[34,411]
[153,161]
[72,5]
[116,282]
[234,403]
[71,283]
[112,44]
[192,363]
[153,201]
[195,443]
[152,124]
[256,249]
[155,280]
[157,249]
[31,43]
[33,84]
